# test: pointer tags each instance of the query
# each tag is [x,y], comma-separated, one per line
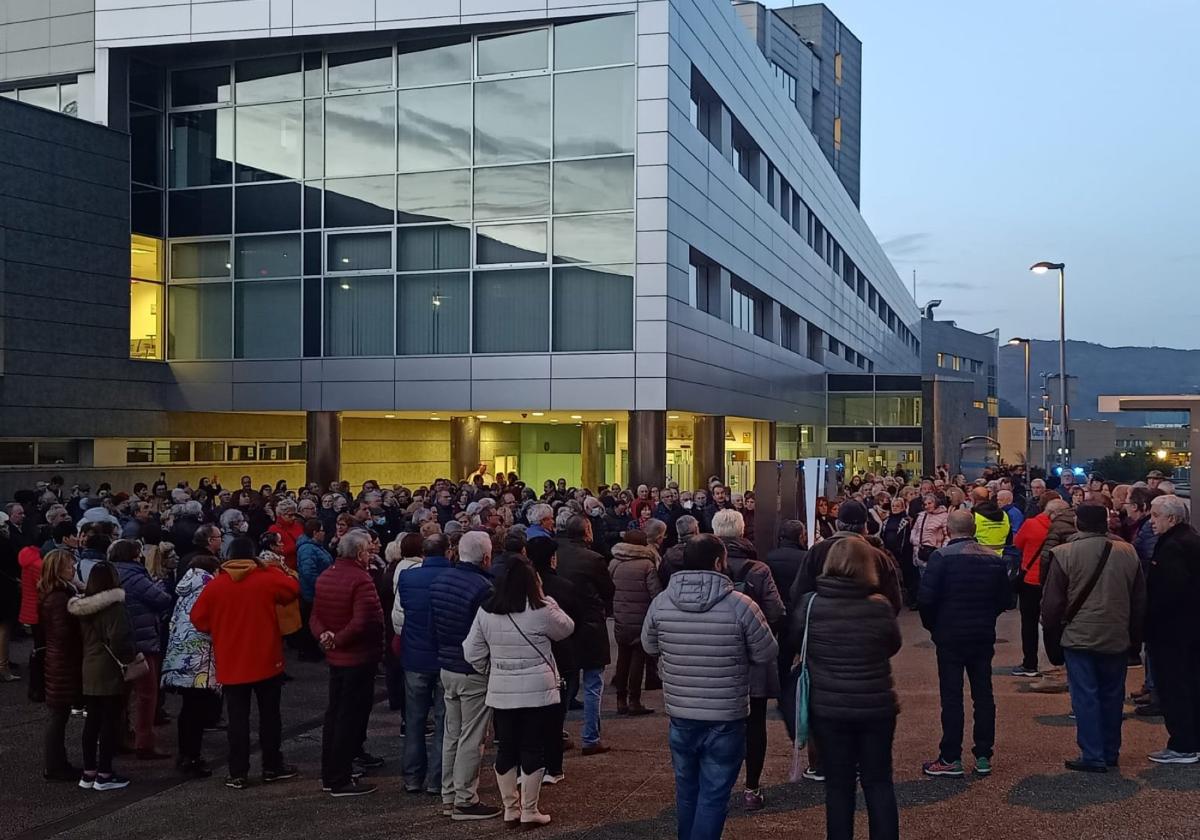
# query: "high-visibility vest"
[992,534]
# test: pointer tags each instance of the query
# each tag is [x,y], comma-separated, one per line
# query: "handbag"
[133,670]
[800,713]
[562,684]
[924,552]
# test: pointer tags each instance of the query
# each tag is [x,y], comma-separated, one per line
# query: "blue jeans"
[593,691]
[707,756]
[423,767]
[1097,684]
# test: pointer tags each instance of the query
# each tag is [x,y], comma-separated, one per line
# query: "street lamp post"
[1028,423]
[1042,268]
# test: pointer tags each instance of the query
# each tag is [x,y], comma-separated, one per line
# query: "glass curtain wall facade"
[874,421]
[470,193]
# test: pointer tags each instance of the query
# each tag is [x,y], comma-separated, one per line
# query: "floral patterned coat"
[188,662]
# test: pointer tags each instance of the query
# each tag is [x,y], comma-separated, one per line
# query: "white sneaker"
[812,775]
[553,780]
[1173,757]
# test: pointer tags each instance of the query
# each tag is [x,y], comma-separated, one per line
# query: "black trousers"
[351,695]
[977,663]
[310,650]
[756,741]
[858,750]
[1029,601]
[554,741]
[55,738]
[631,666]
[270,725]
[102,731]
[523,735]
[199,708]
[1177,681]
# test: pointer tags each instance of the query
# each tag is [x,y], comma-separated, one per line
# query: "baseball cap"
[852,512]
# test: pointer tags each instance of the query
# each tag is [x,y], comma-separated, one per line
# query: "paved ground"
[628,793]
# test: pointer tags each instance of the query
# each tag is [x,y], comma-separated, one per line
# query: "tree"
[1127,467]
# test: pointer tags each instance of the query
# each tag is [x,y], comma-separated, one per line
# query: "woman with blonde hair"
[62,658]
[852,634]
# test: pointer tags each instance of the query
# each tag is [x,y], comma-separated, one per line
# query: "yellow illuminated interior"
[145,297]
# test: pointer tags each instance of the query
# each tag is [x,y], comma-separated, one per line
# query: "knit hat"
[852,513]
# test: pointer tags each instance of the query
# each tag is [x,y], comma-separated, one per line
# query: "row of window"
[953,362]
[786,81]
[839,348]
[62,97]
[706,115]
[28,453]
[213,451]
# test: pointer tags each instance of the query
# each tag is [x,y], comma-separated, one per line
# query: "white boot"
[510,798]
[531,789]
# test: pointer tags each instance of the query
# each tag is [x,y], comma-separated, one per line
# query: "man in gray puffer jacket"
[707,636]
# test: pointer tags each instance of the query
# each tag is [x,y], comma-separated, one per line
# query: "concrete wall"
[64,283]
[945,337]
[40,38]
[948,418]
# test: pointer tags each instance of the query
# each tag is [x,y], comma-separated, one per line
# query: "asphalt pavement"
[629,792]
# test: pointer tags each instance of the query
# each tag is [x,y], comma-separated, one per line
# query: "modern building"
[586,239]
[958,367]
[1095,439]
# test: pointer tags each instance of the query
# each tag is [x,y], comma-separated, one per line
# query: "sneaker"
[478,811]
[1022,671]
[447,809]
[594,749]
[812,774]
[1081,766]
[87,781]
[365,759]
[1173,757]
[353,789]
[983,766]
[78,712]
[9,676]
[113,782]
[943,768]
[287,771]
[553,780]
[236,782]
[753,800]
[638,710]
[355,775]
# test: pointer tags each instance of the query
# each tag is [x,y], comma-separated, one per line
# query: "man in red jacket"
[238,610]
[347,620]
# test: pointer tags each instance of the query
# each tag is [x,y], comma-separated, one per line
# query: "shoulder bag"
[1053,635]
[562,684]
[801,700]
[133,670]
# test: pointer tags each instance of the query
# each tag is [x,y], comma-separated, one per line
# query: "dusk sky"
[997,135]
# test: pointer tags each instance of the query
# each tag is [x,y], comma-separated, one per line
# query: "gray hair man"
[455,596]
[1094,591]
[963,591]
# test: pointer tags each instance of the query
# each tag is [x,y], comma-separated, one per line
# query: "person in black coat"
[1172,632]
[542,553]
[963,591]
[852,635]
[784,562]
[668,511]
[851,524]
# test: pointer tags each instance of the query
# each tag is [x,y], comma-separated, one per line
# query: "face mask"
[687,505]
[243,526]
[380,520]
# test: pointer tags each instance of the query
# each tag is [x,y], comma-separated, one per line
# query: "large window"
[411,199]
[145,297]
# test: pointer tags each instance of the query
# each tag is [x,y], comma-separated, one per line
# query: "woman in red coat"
[1030,539]
[290,530]
[63,658]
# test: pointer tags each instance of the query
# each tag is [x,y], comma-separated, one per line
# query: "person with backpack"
[754,579]
[852,635]
[1094,601]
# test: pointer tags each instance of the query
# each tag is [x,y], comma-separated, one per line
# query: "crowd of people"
[491,611]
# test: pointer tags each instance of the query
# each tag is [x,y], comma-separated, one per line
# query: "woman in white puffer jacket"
[510,642]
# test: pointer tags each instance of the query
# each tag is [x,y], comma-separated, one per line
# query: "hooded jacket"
[64,648]
[146,602]
[992,527]
[417,640]
[707,637]
[291,534]
[188,660]
[104,627]
[1062,527]
[312,559]
[754,578]
[238,610]
[852,636]
[634,571]
[514,650]
[1030,539]
[347,604]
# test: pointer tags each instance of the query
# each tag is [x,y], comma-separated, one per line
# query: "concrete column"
[764,440]
[591,448]
[324,436]
[708,444]
[647,448]
[1194,437]
[464,446]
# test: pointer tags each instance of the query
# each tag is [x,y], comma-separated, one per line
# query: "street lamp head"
[1018,341]
[1043,267]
